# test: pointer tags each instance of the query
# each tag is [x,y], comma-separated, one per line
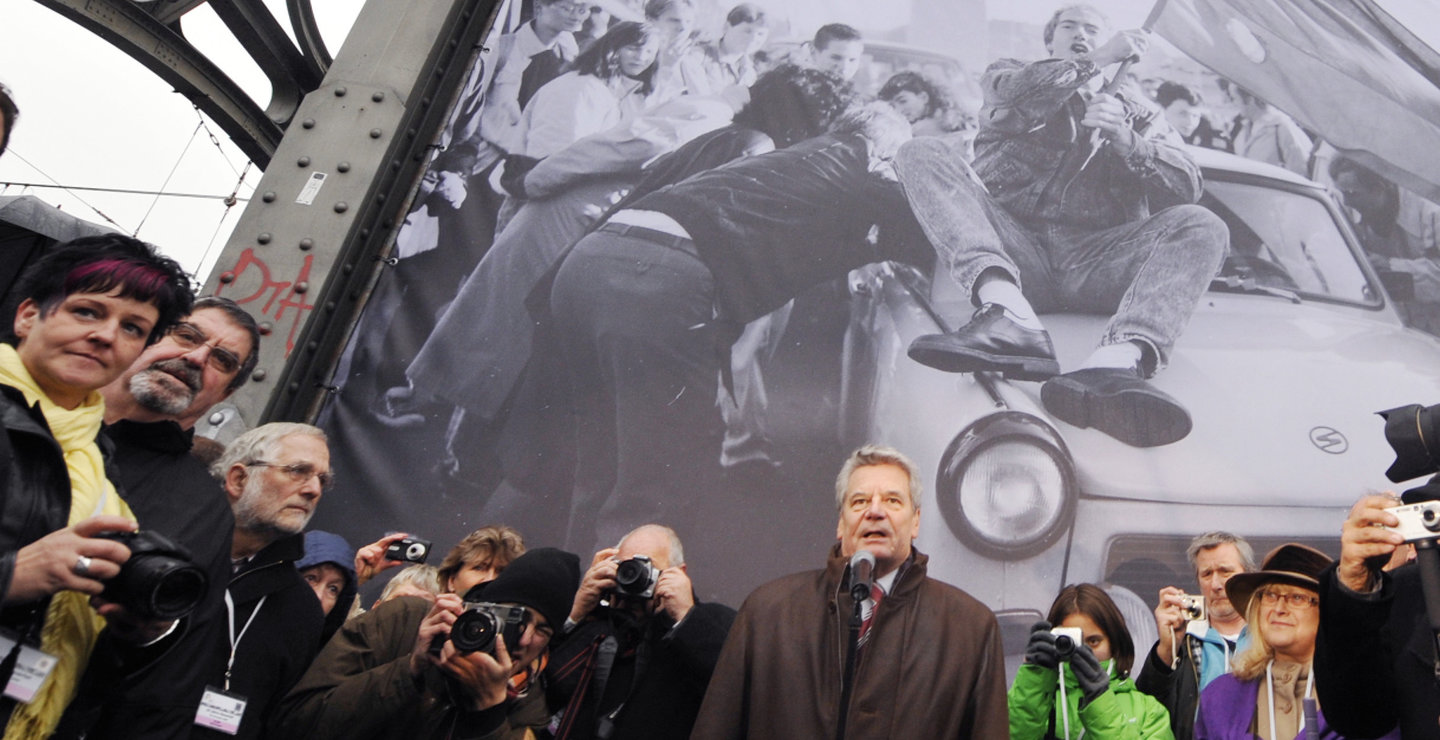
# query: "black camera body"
[636,578]
[159,581]
[476,628]
[410,550]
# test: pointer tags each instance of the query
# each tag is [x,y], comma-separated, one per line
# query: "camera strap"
[235,638]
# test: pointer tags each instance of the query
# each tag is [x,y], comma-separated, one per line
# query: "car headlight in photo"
[1006,486]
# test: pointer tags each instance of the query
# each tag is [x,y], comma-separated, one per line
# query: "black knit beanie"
[544,579]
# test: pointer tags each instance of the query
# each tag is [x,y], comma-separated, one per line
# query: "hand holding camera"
[674,594]
[1041,649]
[1366,540]
[53,563]
[392,550]
[597,581]
[1092,677]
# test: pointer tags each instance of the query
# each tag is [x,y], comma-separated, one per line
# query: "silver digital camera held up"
[1066,640]
[1193,607]
[1418,521]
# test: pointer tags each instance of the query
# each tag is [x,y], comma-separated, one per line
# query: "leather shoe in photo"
[1118,402]
[990,342]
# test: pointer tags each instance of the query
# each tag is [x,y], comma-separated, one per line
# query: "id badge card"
[220,710]
[32,667]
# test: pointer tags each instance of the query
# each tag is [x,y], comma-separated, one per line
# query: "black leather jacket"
[35,500]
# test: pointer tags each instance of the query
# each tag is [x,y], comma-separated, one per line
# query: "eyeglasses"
[1294,599]
[300,472]
[189,337]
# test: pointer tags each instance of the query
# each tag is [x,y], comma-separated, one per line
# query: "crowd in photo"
[621,214]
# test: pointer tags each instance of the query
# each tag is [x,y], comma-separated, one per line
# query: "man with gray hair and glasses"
[1176,674]
[274,476]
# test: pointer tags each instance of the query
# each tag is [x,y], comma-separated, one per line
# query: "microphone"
[862,574]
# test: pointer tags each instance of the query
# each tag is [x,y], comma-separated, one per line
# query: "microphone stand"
[852,646]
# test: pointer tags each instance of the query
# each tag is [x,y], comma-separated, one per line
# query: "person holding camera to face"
[638,650]
[1375,655]
[467,666]
[1076,677]
[1199,634]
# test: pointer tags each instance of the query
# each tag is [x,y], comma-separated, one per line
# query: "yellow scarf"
[71,626]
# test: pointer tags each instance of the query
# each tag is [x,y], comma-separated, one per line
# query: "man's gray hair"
[259,444]
[677,550]
[877,455]
[1216,539]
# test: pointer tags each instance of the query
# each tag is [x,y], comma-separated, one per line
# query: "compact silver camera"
[1066,640]
[1193,607]
[1418,521]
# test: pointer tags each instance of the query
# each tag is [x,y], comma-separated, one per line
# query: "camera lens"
[416,551]
[474,631]
[632,575]
[1064,646]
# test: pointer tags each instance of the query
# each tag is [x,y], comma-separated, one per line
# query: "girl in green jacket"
[1070,689]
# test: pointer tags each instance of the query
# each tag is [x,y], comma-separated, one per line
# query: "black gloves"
[1041,648]
[1087,669]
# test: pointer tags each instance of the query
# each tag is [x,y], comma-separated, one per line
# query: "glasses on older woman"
[1292,599]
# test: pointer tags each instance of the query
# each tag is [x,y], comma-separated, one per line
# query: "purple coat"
[1227,707]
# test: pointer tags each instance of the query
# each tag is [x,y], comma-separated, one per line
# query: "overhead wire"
[12,153]
[178,161]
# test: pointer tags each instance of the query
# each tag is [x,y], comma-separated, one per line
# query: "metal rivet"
[227,277]
[340,92]
[258,375]
[303,161]
[294,387]
[216,418]
[302,287]
[307,244]
[264,238]
[268,196]
[379,197]
[329,305]
[377,96]
[376,133]
[342,207]
[347,269]
[343,167]
[308,123]
[265,328]
[312,346]
[365,233]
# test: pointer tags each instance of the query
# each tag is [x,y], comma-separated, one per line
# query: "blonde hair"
[1249,663]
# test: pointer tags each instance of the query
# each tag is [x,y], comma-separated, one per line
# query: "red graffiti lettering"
[281,293]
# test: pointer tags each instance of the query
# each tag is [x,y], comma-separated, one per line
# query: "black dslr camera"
[636,577]
[159,581]
[410,550]
[476,628]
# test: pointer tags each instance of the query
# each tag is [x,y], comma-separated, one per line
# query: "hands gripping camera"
[1049,647]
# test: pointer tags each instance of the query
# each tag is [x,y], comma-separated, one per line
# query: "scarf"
[71,626]
[1290,684]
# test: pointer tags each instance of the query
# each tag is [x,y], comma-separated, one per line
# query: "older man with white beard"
[274,476]
[150,412]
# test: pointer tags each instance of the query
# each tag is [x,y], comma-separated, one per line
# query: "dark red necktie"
[876,594]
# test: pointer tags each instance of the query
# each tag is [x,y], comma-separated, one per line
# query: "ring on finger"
[82,566]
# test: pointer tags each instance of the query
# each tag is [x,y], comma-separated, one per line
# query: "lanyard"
[1270,687]
[234,638]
